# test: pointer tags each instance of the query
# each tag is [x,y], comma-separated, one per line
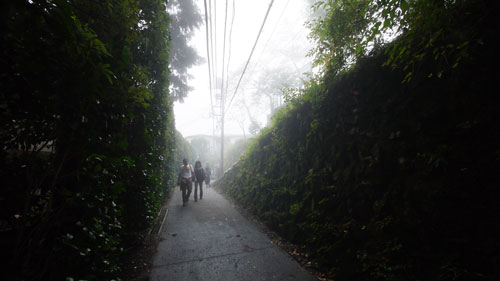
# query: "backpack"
[200,174]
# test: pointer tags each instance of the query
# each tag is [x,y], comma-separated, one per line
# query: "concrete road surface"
[210,240]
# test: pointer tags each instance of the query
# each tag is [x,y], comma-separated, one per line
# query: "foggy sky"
[282,47]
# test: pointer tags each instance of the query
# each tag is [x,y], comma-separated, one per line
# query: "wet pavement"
[211,240]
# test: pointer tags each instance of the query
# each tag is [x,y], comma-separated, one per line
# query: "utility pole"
[222,135]
[222,97]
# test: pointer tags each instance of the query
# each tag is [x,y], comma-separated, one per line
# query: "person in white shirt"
[185,181]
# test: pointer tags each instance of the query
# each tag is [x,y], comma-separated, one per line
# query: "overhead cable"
[214,72]
[215,39]
[274,29]
[223,63]
[250,57]
[229,51]
[208,57]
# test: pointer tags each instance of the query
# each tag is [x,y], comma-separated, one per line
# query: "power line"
[223,59]
[251,53]
[229,51]
[215,36]
[214,71]
[274,29]
[212,51]
[222,96]
[271,36]
[208,57]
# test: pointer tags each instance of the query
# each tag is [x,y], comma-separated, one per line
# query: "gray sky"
[283,45]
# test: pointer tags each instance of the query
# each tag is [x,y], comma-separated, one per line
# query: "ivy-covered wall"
[384,180]
[88,137]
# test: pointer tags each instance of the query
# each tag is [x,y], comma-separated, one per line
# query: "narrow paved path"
[210,240]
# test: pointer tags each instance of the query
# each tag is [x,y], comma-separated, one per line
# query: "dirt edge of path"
[138,262]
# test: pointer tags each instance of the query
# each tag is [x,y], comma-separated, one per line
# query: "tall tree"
[185,19]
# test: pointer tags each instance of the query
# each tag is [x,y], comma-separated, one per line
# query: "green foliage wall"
[87,134]
[183,150]
[383,180]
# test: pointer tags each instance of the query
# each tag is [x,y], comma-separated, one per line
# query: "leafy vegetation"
[351,30]
[88,138]
[185,18]
[383,180]
[184,149]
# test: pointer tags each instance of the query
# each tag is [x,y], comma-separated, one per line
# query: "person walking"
[185,180]
[208,174]
[199,178]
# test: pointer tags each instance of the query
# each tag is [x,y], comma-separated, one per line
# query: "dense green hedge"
[87,80]
[384,180]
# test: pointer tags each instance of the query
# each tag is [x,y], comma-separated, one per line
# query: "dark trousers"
[186,188]
[196,184]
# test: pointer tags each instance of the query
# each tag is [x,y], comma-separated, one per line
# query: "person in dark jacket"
[198,181]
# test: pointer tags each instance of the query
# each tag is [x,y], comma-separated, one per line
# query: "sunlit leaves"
[353,29]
